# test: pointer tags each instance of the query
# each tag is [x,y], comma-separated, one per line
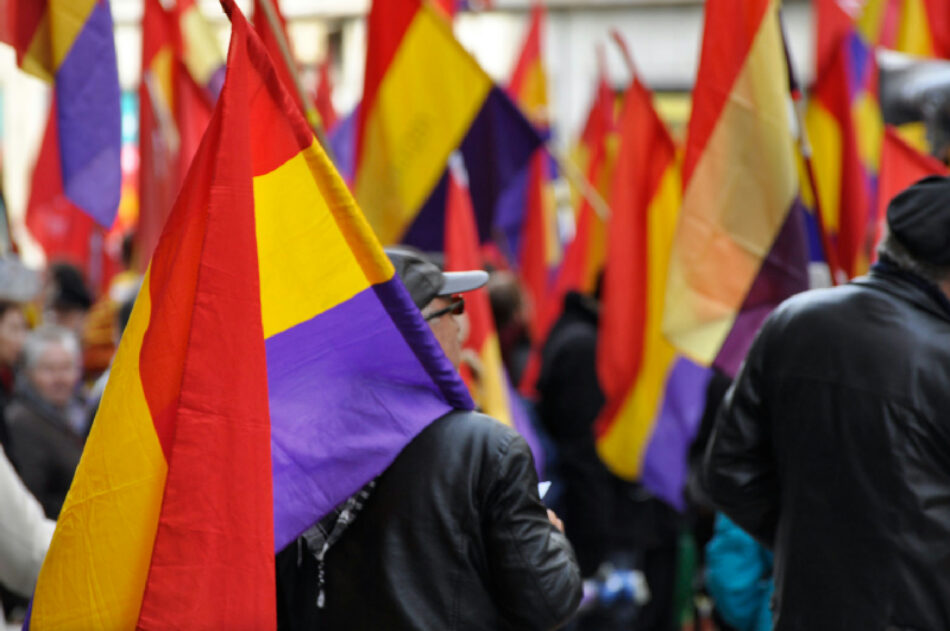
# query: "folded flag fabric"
[63,231]
[70,43]
[740,247]
[424,96]
[272,365]
[654,398]
[182,73]
[845,127]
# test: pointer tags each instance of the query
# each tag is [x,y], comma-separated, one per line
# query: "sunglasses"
[456,307]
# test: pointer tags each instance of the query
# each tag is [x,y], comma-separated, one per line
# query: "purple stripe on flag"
[784,272]
[497,148]
[216,82]
[348,390]
[342,139]
[522,422]
[427,231]
[665,466]
[88,111]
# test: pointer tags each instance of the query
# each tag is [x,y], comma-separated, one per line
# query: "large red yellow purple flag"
[70,43]
[654,398]
[425,96]
[740,246]
[272,365]
[845,127]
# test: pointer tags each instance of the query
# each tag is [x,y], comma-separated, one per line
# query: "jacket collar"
[888,277]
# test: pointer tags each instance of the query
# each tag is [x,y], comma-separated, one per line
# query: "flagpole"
[794,88]
[624,52]
[578,179]
[310,110]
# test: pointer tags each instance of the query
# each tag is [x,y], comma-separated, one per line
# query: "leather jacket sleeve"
[739,470]
[536,577]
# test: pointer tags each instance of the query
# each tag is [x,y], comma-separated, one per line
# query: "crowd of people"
[53,366]
[818,498]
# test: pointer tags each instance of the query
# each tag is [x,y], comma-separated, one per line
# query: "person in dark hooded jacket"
[833,446]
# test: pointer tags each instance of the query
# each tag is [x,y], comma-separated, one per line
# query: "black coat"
[453,537]
[602,513]
[833,447]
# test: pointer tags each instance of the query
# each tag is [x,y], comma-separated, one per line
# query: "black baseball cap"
[919,216]
[426,281]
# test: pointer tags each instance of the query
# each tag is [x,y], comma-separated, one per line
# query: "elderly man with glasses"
[452,535]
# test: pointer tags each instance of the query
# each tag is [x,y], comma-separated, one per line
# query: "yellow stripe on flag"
[99,559]
[825,135]
[203,55]
[623,446]
[67,19]
[735,203]
[493,396]
[425,104]
[293,220]
[913,35]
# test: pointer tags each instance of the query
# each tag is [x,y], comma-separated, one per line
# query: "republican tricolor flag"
[272,366]
[70,43]
[740,246]
[424,97]
[845,127]
[654,398]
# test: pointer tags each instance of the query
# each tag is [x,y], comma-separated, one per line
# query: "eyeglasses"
[456,307]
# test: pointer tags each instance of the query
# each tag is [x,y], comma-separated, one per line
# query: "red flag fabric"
[901,166]
[174,111]
[62,230]
[832,24]
[272,41]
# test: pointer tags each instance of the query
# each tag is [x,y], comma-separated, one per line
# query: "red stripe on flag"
[901,166]
[263,27]
[25,16]
[387,23]
[62,230]
[833,91]
[646,153]
[534,265]
[462,254]
[938,15]
[730,29]
[212,562]
[832,25]
[530,52]
[159,174]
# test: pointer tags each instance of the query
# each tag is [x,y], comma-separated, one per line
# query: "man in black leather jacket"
[833,446]
[451,536]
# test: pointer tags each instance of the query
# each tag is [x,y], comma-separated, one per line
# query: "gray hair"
[42,337]
[898,254]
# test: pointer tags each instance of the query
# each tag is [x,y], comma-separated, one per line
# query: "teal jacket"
[739,577]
